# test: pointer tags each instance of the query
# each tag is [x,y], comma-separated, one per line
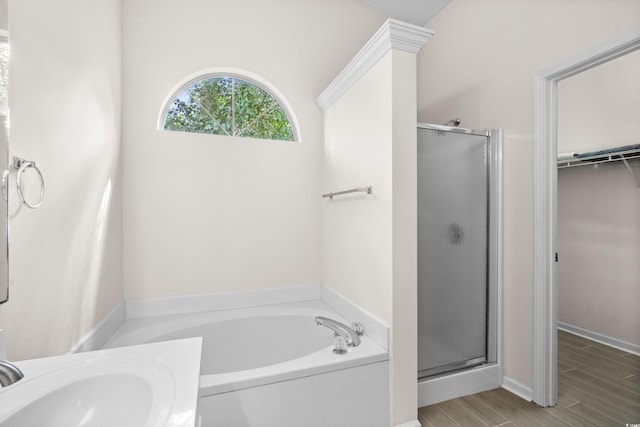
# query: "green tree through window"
[228,106]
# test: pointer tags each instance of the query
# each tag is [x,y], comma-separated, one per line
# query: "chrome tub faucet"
[351,335]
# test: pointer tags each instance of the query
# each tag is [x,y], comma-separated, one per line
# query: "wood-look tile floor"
[597,386]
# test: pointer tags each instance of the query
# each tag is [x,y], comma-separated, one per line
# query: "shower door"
[453,245]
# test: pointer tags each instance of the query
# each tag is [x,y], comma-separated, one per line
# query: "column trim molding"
[393,34]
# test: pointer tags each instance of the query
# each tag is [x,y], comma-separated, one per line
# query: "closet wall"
[599,206]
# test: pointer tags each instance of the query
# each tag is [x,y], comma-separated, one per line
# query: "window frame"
[237,74]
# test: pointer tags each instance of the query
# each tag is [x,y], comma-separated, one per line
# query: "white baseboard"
[601,338]
[96,338]
[458,384]
[517,388]
[414,423]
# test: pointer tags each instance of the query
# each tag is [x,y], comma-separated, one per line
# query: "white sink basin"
[150,385]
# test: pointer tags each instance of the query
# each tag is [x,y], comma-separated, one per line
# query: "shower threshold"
[451,367]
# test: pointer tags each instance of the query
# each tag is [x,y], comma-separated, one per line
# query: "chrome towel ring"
[21,165]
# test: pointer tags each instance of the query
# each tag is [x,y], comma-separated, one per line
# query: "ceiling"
[417,12]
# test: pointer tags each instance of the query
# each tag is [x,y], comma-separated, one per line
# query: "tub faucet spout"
[9,373]
[351,336]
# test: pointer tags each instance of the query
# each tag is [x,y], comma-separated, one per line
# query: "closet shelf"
[622,154]
[603,156]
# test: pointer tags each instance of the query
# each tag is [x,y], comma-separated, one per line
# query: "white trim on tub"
[374,328]
[96,338]
[149,307]
[600,338]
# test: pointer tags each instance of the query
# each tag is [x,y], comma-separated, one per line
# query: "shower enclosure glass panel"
[453,244]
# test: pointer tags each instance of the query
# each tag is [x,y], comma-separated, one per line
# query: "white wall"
[65,257]
[599,247]
[209,213]
[358,245]
[600,108]
[480,66]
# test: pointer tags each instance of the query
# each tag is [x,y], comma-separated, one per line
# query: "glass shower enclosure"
[456,307]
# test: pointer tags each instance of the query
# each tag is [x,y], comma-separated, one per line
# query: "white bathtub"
[273,366]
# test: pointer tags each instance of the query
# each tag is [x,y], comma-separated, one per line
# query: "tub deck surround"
[374,328]
[320,362]
[161,306]
[282,355]
[253,346]
[355,397]
[96,338]
[272,364]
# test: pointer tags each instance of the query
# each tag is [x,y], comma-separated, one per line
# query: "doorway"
[545,354]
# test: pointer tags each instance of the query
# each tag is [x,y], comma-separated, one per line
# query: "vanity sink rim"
[170,369]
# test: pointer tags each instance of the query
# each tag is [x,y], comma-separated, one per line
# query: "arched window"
[231,105]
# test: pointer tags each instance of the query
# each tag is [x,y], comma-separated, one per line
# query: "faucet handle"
[358,328]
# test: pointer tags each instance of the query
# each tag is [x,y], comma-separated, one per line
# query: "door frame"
[545,188]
